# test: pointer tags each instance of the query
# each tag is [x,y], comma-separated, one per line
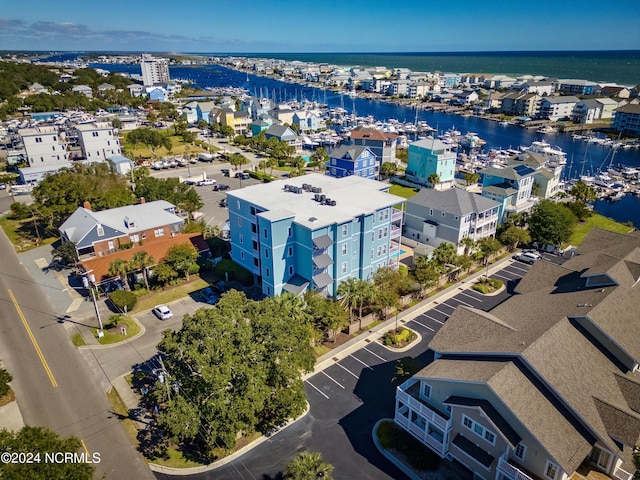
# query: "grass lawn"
[402,191]
[178,147]
[320,350]
[157,297]
[596,221]
[176,459]
[120,409]
[78,341]
[22,235]
[114,335]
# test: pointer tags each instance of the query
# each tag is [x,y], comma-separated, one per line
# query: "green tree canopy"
[41,440]
[387,169]
[170,189]
[583,192]
[58,195]
[551,223]
[238,368]
[308,466]
[514,236]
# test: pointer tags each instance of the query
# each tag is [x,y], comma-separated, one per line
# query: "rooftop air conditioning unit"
[305,186]
[333,203]
[299,190]
[323,198]
[319,190]
[316,197]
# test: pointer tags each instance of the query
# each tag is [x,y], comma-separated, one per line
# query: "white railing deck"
[423,409]
[512,472]
[622,474]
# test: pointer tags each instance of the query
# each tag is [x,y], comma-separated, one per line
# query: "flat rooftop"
[354,196]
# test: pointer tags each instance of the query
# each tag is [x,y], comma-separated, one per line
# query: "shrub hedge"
[123,298]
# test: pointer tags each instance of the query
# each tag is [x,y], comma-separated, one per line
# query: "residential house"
[259,126]
[578,87]
[118,233]
[307,120]
[192,112]
[37,88]
[399,88]
[157,93]
[547,172]
[547,382]
[97,140]
[105,87]
[627,120]
[466,97]
[383,145]
[499,81]
[538,87]
[283,113]
[510,186]
[284,134]
[616,91]
[608,107]
[431,156]
[121,164]
[586,111]
[435,216]
[44,145]
[557,108]
[314,232]
[420,89]
[352,160]
[520,104]
[84,90]
[135,89]
[493,101]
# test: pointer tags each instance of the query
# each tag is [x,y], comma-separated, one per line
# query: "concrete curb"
[413,343]
[117,344]
[406,470]
[223,461]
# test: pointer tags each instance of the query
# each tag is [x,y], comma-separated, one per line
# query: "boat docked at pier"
[554,154]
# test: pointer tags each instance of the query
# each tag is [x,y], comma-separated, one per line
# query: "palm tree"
[142,261]
[488,246]
[308,466]
[433,179]
[120,268]
[468,243]
[355,293]
[211,231]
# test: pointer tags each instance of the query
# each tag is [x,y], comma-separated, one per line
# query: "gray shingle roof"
[453,200]
[352,151]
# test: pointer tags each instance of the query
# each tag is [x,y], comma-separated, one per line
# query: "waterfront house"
[520,104]
[626,120]
[431,156]
[192,113]
[383,145]
[499,81]
[284,134]
[157,94]
[557,108]
[578,87]
[509,186]
[547,382]
[435,216]
[586,111]
[307,120]
[547,171]
[532,86]
[315,231]
[466,97]
[352,160]
[616,91]
[83,89]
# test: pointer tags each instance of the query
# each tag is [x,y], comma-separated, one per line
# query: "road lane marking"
[317,389]
[470,296]
[422,325]
[345,368]
[33,339]
[84,445]
[333,380]
[374,354]
[361,362]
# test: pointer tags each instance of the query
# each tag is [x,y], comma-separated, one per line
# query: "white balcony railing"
[395,232]
[622,474]
[512,472]
[396,215]
[421,408]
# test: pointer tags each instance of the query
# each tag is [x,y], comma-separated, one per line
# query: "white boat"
[505,123]
[546,150]
[547,129]
[603,180]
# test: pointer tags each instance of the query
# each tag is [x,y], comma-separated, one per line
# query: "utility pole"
[166,377]
[89,282]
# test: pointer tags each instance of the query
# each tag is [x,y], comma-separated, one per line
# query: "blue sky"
[319,26]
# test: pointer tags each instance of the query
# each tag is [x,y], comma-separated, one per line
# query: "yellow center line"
[85,447]
[33,339]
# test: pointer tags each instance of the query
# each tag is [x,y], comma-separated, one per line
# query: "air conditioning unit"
[323,198]
[333,203]
[316,197]
[299,190]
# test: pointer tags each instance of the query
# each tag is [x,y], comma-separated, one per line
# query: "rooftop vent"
[313,219]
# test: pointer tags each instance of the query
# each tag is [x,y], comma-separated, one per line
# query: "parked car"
[205,182]
[162,312]
[205,157]
[532,252]
[207,295]
[223,202]
[3,186]
[529,258]
[219,187]
[243,175]
[225,172]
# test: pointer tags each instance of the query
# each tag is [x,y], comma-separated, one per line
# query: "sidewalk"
[344,350]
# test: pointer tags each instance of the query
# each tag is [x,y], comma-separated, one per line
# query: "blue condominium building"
[431,156]
[314,231]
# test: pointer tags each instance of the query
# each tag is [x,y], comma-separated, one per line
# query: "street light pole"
[89,282]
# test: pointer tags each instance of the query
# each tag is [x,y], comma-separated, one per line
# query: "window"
[380,215]
[384,232]
[253,210]
[426,390]
[551,470]
[110,245]
[134,238]
[479,430]
[144,235]
[54,148]
[467,422]
[290,251]
[38,140]
[241,239]
[443,214]
[266,234]
[344,267]
[100,230]
[94,134]
[431,211]
[268,273]
[254,228]
[289,232]
[345,230]
[520,451]
[256,262]
[268,290]
[242,255]
[158,232]
[266,253]
[373,236]
[290,269]
[489,437]
[344,249]
[239,222]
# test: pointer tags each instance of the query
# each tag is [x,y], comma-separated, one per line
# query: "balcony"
[395,232]
[421,407]
[396,215]
[512,472]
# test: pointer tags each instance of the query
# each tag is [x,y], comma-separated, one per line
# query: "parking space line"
[443,313]
[447,305]
[345,368]
[352,356]
[502,276]
[518,267]
[470,296]
[332,380]
[434,319]
[318,390]
[375,354]
[422,325]
[461,301]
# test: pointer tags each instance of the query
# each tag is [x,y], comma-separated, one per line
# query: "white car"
[532,253]
[529,258]
[162,312]
[206,181]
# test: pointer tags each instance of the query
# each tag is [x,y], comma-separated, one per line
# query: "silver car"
[162,312]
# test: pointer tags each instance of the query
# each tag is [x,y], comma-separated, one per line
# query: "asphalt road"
[347,398]
[53,384]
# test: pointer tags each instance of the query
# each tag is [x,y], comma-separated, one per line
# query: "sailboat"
[247,77]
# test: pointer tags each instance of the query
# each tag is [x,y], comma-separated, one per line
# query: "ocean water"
[621,66]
